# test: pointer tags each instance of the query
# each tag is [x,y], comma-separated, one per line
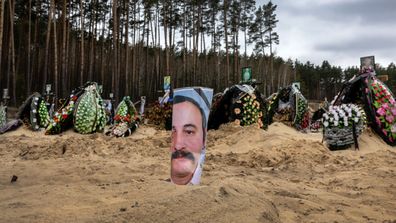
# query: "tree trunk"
[185,42]
[285,75]
[102,55]
[12,52]
[36,53]
[236,57]
[29,73]
[198,77]
[115,51]
[1,30]
[194,34]
[82,43]
[245,56]
[147,30]
[127,91]
[67,74]
[134,90]
[92,43]
[158,46]
[55,52]
[64,37]
[47,42]
[166,40]
[119,52]
[227,67]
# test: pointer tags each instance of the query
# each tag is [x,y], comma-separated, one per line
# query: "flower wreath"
[385,108]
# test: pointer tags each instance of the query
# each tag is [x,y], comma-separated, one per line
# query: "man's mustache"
[183,154]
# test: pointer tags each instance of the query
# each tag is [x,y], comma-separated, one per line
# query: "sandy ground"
[250,175]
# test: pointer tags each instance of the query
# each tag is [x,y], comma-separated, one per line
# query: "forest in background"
[129,46]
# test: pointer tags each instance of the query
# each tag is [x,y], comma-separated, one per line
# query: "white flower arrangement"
[342,116]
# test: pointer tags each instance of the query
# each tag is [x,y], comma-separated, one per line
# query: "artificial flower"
[393,128]
[377,120]
[381,111]
[390,118]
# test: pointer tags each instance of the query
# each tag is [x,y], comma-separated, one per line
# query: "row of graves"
[85,111]
[244,105]
[364,101]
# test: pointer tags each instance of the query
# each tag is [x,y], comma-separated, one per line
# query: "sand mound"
[250,175]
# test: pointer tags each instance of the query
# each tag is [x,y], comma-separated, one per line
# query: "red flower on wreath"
[126,118]
[117,118]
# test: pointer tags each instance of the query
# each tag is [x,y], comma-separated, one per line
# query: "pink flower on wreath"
[390,139]
[393,110]
[377,120]
[376,95]
[392,100]
[390,118]
[384,131]
[381,111]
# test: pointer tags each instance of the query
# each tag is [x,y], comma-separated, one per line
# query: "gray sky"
[339,31]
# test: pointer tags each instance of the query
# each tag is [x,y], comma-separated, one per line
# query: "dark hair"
[180,99]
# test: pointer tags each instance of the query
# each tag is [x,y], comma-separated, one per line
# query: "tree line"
[129,46]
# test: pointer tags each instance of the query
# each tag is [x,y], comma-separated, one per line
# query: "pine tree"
[247,15]
[271,37]
[257,31]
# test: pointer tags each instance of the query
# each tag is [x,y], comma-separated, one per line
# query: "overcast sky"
[339,31]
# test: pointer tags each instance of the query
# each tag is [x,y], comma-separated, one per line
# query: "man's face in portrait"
[367,62]
[187,141]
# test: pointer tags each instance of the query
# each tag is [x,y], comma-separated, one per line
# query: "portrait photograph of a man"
[191,108]
[367,62]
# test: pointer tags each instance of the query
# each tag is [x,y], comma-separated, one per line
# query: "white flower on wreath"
[336,123]
[325,123]
[346,123]
[393,129]
[356,119]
